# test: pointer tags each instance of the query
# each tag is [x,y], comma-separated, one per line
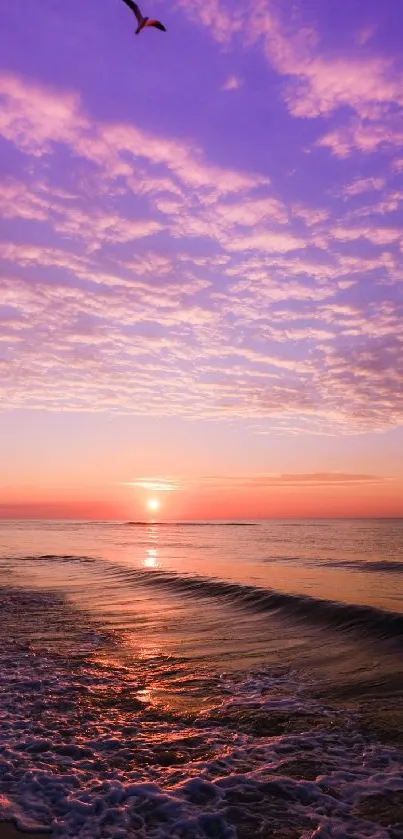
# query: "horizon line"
[157,522]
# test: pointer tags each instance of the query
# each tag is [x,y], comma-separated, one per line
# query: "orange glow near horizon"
[208,500]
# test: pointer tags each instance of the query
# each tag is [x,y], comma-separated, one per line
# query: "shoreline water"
[84,738]
[150,701]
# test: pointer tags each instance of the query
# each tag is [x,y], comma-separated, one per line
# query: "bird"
[142,22]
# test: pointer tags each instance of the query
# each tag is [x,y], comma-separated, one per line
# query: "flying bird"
[142,22]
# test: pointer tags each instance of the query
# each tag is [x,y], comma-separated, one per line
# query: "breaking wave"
[367,619]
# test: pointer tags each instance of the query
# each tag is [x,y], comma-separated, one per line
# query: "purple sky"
[201,240]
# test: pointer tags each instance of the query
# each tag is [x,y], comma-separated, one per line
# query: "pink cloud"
[317,83]
[100,365]
[251,212]
[269,241]
[364,135]
[17,201]
[326,84]
[376,235]
[232,83]
[310,215]
[360,185]
[101,227]
[223,20]
[232,302]
[35,118]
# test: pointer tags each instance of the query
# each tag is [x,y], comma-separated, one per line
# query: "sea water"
[202,679]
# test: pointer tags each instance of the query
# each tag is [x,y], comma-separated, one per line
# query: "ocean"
[202,680]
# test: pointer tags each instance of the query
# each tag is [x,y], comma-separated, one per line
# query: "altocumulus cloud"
[165,283]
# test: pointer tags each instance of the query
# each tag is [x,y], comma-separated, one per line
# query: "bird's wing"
[134,7]
[157,24]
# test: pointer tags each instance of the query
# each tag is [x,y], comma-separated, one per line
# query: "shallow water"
[202,681]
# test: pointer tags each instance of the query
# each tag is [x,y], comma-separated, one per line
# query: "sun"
[153,505]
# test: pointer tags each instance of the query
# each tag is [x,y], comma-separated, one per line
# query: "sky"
[201,244]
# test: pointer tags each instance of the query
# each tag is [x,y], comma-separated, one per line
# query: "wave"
[58,558]
[368,620]
[380,566]
[347,617]
[190,524]
[388,566]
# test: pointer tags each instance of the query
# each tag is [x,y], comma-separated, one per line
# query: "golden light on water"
[151,558]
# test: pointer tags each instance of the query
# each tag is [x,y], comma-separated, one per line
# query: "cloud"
[154,484]
[36,118]
[222,20]
[376,235]
[17,201]
[389,204]
[310,215]
[370,377]
[270,241]
[366,136]
[259,482]
[360,185]
[232,83]
[323,84]
[250,212]
[78,350]
[317,82]
[365,34]
[313,479]
[101,227]
[142,278]
[96,227]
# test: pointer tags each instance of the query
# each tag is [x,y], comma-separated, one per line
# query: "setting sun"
[153,504]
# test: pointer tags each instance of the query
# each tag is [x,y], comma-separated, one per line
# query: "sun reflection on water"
[151,558]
